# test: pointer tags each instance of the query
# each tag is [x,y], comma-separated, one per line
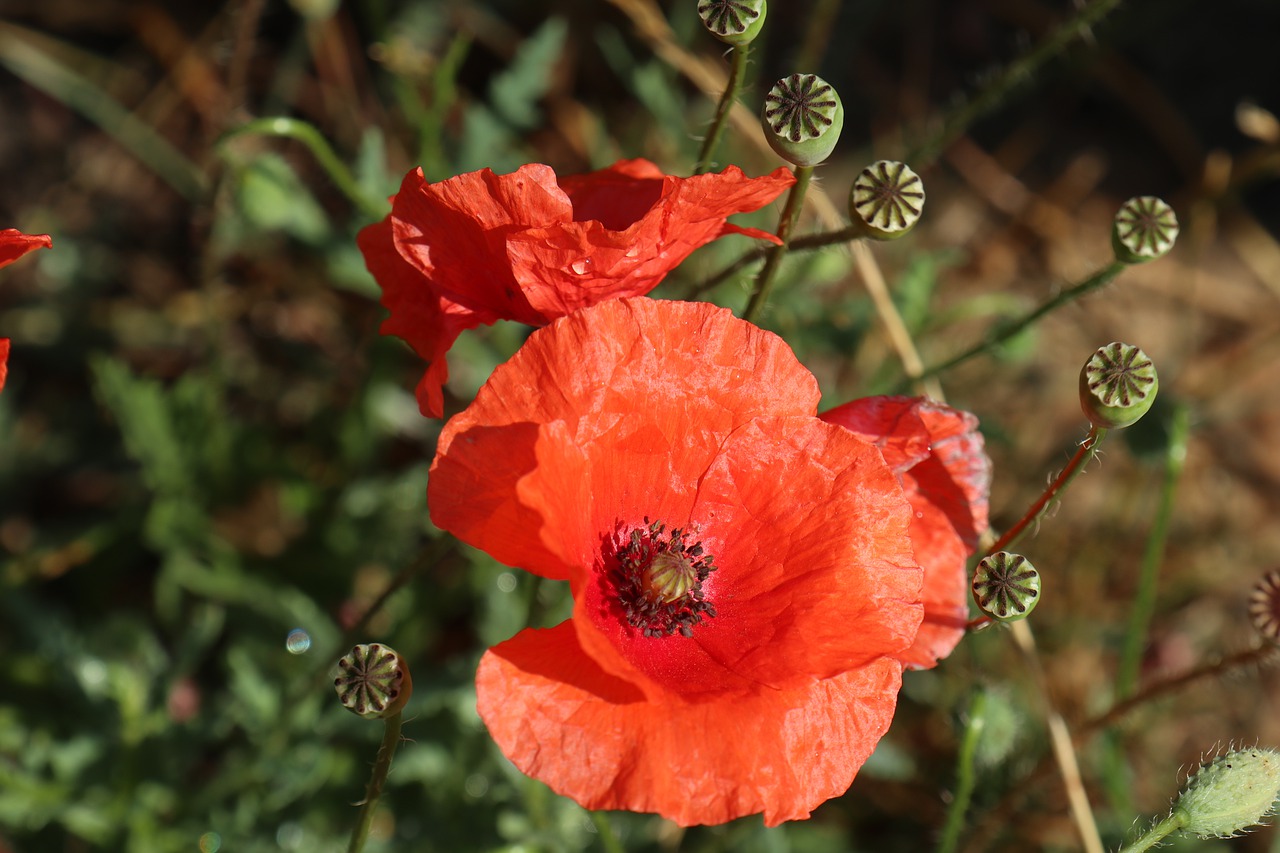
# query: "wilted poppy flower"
[13,245]
[532,247]
[745,584]
[938,454]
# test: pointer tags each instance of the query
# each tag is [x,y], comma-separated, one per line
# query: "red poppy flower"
[938,454]
[532,247]
[13,245]
[745,585]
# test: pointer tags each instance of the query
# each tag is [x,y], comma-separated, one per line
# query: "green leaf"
[516,91]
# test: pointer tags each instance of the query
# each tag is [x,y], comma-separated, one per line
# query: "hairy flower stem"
[1083,454]
[965,775]
[1006,331]
[390,740]
[790,213]
[737,70]
[1144,603]
[1010,78]
[1157,833]
[319,147]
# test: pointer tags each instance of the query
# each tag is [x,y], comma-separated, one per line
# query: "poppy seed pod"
[373,681]
[802,119]
[1006,586]
[1118,384]
[735,22]
[1144,229]
[886,200]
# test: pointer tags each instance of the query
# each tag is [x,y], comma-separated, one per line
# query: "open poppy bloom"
[938,454]
[13,245]
[532,247]
[744,577]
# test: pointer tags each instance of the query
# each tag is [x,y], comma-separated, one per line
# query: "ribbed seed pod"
[802,119]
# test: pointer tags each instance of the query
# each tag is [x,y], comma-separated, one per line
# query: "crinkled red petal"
[690,366]
[455,233]
[14,244]
[946,474]
[615,247]
[418,314]
[4,361]
[804,587]
[593,737]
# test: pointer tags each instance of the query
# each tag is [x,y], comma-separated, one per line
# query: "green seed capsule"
[735,22]
[374,681]
[886,200]
[1144,229]
[802,119]
[1118,384]
[1006,587]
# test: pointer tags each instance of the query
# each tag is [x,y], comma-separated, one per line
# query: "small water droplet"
[919,515]
[506,582]
[298,641]
[210,842]
[476,785]
[290,836]
[633,252]
[581,266]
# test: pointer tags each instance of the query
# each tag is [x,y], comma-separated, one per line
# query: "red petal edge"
[596,739]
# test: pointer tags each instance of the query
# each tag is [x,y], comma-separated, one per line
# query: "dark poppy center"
[659,580]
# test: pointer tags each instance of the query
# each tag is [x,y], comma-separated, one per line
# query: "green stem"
[301,131]
[21,54]
[390,740]
[1145,602]
[1015,74]
[608,838]
[1157,833]
[790,213]
[1102,277]
[808,241]
[712,140]
[965,775]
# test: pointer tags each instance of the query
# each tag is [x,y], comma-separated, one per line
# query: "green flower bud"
[1229,794]
[735,22]
[1118,384]
[802,119]
[1006,587]
[374,681]
[886,200]
[1144,229]
[1264,607]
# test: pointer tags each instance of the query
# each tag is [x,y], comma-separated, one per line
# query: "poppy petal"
[681,363]
[4,361]
[421,317]
[14,244]
[946,475]
[616,249]
[590,736]
[454,233]
[804,588]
